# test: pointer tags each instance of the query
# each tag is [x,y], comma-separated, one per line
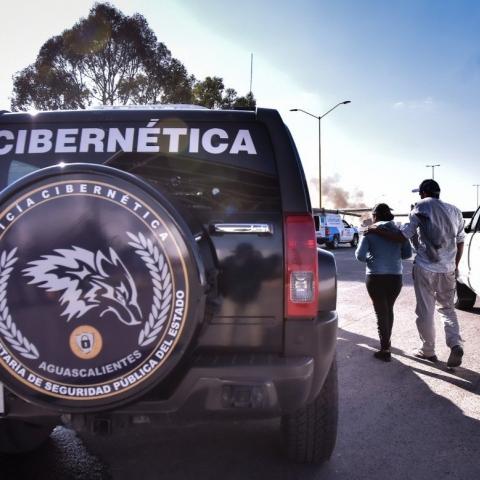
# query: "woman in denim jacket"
[383,274]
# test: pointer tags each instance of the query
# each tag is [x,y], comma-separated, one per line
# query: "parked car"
[160,265]
[332,230]
[468,279]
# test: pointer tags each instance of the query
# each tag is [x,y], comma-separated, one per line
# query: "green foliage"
[246,102]
[211,93]
[109,58]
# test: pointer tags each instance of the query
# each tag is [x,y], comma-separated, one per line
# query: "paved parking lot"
[407,419]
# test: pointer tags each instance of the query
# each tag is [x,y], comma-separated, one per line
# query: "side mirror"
[468,228]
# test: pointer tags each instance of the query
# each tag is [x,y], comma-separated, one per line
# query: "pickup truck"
[468,279]
[332,230]
[160,265]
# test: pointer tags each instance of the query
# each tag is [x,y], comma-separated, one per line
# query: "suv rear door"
[219,171]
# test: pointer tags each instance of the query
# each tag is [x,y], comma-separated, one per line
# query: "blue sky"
[410,67]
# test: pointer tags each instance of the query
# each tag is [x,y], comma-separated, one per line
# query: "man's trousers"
[431,287]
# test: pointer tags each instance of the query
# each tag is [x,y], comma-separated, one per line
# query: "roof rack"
[156,106]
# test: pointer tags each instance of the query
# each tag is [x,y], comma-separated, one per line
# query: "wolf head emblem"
[88,280]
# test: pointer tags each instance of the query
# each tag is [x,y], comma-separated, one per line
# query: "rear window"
[202,165]
[319,222]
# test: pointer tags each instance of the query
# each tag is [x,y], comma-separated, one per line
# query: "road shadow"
[232,451]
[393,425]
[63,457]
[475,310]
[460,377]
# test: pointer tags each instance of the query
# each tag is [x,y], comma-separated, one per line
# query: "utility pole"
[319,118]
[433,169]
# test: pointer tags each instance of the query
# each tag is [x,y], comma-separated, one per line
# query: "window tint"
[223,166]
[18,170]
[205,185]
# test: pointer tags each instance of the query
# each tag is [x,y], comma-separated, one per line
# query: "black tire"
[310,433]
[150,318]
[334,243]
[464,297]
[354,242]
[17,436]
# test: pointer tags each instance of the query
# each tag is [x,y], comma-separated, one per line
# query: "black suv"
[161,263]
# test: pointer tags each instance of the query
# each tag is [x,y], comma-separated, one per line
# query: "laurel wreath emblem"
[162,296]
[8,328]
[162,287]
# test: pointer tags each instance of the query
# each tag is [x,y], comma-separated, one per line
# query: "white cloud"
[423,104]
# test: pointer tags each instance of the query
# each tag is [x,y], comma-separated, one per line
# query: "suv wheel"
[310,433]
[101,286]
[464,297]
[354,242]
[334,243]
[17,436]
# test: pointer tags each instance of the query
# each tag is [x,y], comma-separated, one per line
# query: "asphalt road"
[407,419]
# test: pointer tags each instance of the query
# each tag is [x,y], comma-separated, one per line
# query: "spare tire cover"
[100,287]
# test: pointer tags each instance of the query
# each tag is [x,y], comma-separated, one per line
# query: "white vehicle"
[468,281]
[333,230]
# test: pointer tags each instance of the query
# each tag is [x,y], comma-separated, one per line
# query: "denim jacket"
[383,257]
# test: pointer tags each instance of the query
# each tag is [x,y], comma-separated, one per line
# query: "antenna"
[251,72]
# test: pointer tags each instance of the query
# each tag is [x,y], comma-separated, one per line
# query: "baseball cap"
[428,186]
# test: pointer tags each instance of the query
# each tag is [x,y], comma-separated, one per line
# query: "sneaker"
[455,358]
[384,355]
[419,354]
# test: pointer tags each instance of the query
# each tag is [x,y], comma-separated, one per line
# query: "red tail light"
[301,267]
[327,231]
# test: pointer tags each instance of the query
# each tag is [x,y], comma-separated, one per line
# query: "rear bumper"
[231,385]
[329,238]
[242,386]
[251,385]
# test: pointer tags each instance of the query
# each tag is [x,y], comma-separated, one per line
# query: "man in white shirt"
[439,227]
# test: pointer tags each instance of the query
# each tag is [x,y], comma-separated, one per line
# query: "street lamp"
[475,185]
[433,169]
[319,118]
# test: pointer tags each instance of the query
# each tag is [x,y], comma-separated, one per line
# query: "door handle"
[256,228]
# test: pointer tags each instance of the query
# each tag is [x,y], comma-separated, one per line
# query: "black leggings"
[384,290]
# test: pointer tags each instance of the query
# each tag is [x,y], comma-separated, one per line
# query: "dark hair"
[430,188]
[383,212]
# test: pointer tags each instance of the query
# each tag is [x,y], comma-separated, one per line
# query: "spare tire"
[101,287]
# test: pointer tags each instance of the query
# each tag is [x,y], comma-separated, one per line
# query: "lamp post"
[319,118]
[475,185]
[433,169]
